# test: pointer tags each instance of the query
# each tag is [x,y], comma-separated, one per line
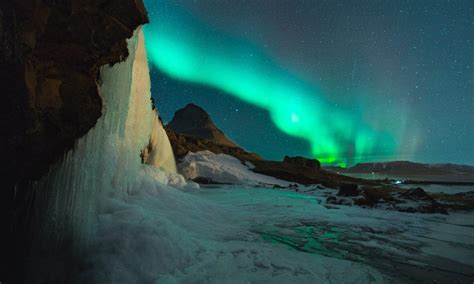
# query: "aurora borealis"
[345,118]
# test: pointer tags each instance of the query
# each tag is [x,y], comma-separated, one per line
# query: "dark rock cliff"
[183,144]
[50,55]
[303,162]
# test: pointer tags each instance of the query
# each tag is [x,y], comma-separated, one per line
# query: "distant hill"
[194,121]
[407,168]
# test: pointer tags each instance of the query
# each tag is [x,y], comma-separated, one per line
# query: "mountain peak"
[193,108]
[194,121]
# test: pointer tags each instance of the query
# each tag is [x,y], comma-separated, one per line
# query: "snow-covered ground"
[400,246]
[238,234]
[223,168]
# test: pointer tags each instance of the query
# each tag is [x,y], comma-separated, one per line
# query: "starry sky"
[341,81]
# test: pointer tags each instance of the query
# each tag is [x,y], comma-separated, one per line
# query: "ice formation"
[223,168]
[106,162]
[161,155]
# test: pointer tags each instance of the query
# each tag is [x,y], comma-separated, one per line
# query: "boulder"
[331,200]
[348,189]
[416,194]
[339,201]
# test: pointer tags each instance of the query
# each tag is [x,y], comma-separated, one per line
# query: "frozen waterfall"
[106,161]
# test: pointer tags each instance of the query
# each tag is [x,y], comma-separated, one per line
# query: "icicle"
[160,151]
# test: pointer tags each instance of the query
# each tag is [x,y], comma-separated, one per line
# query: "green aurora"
[188,49]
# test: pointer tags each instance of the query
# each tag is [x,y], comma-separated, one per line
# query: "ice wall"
[161,154]
[105,162]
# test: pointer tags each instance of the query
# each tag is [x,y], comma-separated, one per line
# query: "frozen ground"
[401,246]
[237,234]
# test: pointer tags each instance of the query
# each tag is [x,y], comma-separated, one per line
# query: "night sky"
[341,81]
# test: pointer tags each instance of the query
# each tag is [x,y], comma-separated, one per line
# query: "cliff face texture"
[182,144]
[50,54]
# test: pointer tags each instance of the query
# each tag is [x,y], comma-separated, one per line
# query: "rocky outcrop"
[416,193]
[303,162]
[50,56]
[183,144]
[50,53]
[348,189]
[194,121]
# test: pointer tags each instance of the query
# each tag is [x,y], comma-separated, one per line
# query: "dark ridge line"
[428,182]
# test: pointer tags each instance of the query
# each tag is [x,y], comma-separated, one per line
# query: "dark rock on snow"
[416,193]
[348,189]
[338,201]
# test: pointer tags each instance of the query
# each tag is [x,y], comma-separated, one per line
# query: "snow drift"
[222,168]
